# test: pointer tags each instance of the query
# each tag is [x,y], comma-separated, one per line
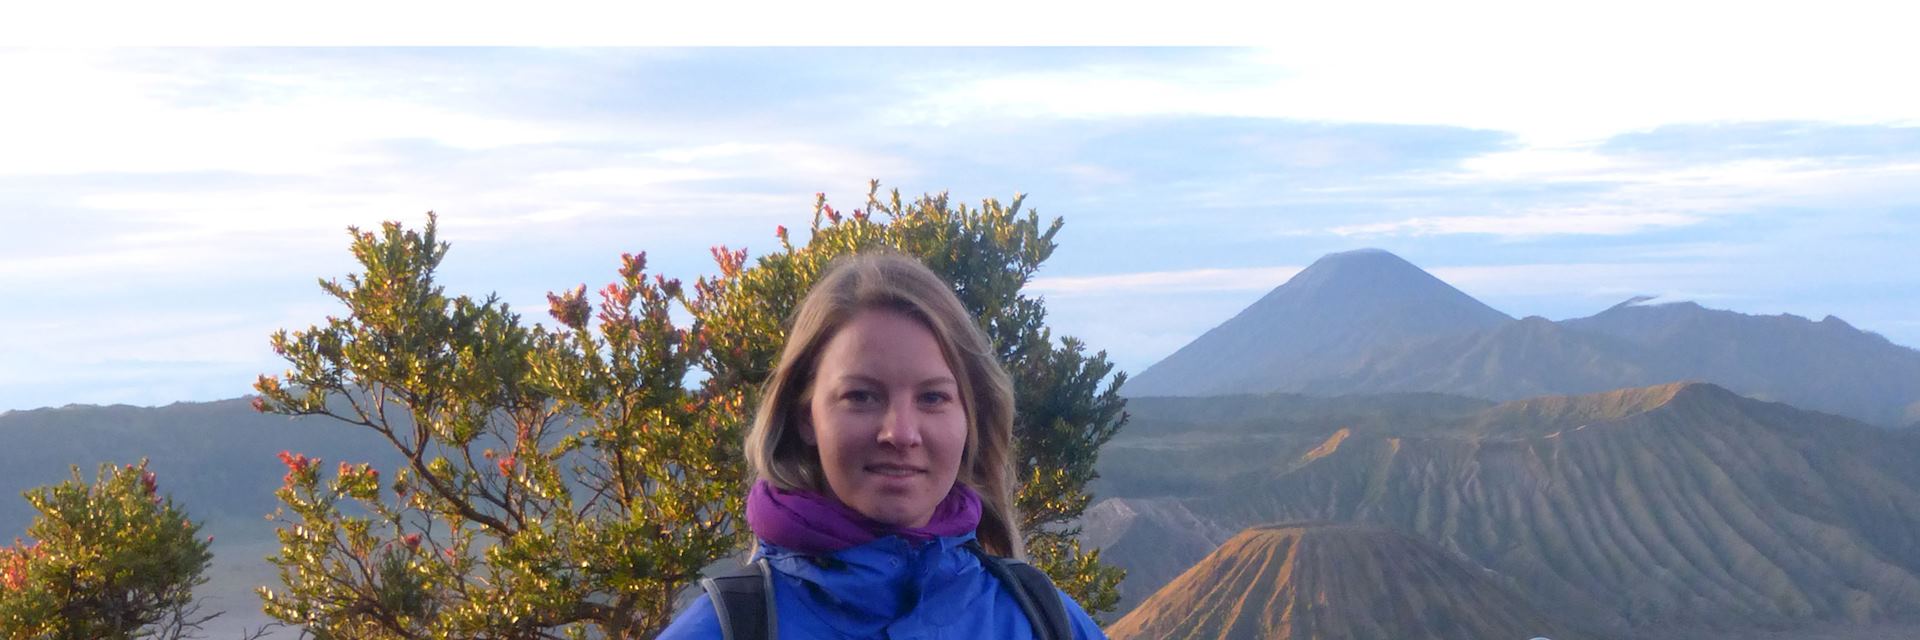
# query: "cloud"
[1531,194]
[151,177]
[1096,175]
[80,113]
[1721,142]
[1593,279]
[1527,225]
[120,231]
[621,177]
[99,349]
[1357,180]
[1184,281]
[1542,165]
[1564,79]
[24,271]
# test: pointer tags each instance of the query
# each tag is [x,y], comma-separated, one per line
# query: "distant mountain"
[1338,309]
[1367,322]
[1322,581]
[1637,511]
[1524,358]
[219,459]
[1825,366]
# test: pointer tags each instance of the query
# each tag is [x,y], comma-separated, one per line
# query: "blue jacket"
[886,590]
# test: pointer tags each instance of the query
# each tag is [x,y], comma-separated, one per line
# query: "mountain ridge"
[1331,331]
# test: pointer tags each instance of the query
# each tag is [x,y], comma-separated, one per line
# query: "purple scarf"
[814,524]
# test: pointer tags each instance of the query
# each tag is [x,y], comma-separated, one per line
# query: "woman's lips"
[894,470]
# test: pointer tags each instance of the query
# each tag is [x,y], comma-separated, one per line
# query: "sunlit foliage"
[109,560]
[568,481]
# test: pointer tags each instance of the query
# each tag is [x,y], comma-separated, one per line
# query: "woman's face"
[886,416]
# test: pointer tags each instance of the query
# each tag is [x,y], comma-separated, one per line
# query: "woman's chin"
[895,513]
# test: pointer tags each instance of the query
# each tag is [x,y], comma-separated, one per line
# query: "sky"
[163,210]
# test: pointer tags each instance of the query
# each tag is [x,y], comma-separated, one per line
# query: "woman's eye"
[860,396]
[935,398]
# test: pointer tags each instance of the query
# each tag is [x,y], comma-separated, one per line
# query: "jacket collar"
[872,585]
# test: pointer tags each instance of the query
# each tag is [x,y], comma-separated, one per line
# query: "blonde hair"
[894,282]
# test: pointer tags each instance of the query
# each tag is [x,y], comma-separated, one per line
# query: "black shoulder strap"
[743,600]
[1034,591]
[1045,597]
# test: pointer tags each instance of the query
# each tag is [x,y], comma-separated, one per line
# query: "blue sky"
[166,209]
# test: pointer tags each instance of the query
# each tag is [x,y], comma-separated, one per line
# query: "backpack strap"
[1035,592]
[743,600]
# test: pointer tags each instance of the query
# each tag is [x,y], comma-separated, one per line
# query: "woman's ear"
[803,418]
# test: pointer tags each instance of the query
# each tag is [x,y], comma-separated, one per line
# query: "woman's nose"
[900,426]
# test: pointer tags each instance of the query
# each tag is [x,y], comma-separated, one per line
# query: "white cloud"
[1190,280]
[43,350]
[1527,225]
[352,151]
[621,177]
[154,234]
[208,212]
[684,155]
[1623,198]
[99,352]
[1552,75]
[1578,279]
[1095,175]
[787,161]
[82,112]
[1543,165]
[1695,251]
[25,271]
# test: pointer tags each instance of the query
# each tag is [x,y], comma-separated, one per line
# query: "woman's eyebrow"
[875,380]
[859,378]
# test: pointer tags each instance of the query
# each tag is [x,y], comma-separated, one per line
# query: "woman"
[882,448]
